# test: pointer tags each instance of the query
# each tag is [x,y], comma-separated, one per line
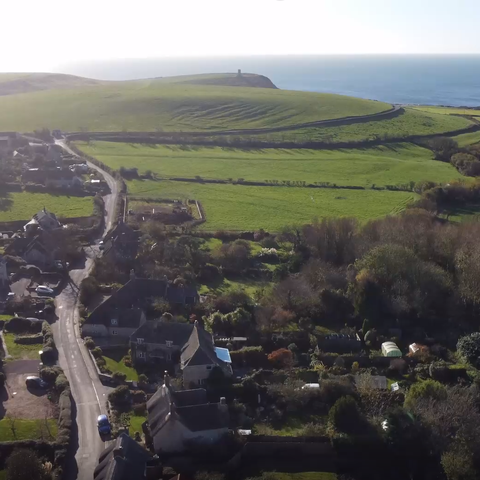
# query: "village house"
[52,178]
[39,250]
[180,347]
[125,459]
[121,244]
[120,315]
[181,420]
[43,220]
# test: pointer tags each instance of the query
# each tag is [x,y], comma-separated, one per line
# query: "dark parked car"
[35,382]
[103,425]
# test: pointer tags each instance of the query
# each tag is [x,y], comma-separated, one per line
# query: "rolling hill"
[195,103]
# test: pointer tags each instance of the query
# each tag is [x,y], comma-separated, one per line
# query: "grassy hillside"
[150,105]
[16,83]
[22,205]
[239,207]
[223,79]
[449,110]
[412,122]
[467,139]
[385,165]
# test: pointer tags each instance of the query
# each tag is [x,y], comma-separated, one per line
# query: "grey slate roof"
[129,467]
[133,294]
[159,332]
[199,349]
[166,404]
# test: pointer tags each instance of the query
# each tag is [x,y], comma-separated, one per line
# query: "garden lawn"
[412,122]
[156,105]
[467,139]
[136,424]
[119,366]
[23,205]
[383,165]
[25,429]
[21,352]
[239,207]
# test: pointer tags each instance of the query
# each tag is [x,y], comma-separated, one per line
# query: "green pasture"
[23,205]
[383,165]
[239,207]
[412,122]
[466,139]
[448,110]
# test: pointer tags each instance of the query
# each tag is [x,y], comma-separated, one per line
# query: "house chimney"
[118,452]
[153,469]
[222,406]
[166,379]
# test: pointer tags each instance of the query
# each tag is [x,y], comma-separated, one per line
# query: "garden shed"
[390,349]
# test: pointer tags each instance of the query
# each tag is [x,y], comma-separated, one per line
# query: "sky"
[40,35]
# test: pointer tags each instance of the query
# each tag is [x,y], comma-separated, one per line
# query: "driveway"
[21,366]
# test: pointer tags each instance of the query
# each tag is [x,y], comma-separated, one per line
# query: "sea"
[452,80]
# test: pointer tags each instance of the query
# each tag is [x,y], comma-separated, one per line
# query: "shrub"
[89,343]
[469,346]
[29,339]
[88,288]
[100,361]
[61,383]
[49,374]
[120,396]
[49,355]
[138,396]
[423,390]
[127,360]
[2,379]
[119,377]
[22,325]
[97,352]
[281,358]
[140,410]
[345,415]
[142,379]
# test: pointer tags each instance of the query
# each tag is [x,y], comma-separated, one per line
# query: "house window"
[169,343]
[140,341]
[114,321]
[169,356]
[209,367]
[141,355]
[114,332]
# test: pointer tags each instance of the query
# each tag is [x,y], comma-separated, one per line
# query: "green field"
[149,105]
[384,165]
[467,139]
[239,207]
[22,205]
[27,430]
[449,110]
[136,424]
[412,122]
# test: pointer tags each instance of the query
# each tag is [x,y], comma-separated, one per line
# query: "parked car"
[103,425]
[44,290]
[35,382]
[101,245]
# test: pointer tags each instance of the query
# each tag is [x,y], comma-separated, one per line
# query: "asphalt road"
[88,393]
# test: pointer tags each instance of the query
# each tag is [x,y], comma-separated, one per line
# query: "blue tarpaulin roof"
[223,354]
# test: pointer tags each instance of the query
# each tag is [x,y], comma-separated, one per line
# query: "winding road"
[88,393]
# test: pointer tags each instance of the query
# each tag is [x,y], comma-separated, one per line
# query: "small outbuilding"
[390,349]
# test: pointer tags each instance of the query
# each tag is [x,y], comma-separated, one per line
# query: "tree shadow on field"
[6,201]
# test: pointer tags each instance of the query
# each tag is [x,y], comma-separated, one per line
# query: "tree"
[469,346]
[429,389]
[281,358]
[23,464]
[345,415]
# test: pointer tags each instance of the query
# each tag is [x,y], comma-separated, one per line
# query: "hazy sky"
[37,35]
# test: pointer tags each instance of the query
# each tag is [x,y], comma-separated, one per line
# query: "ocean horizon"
[452,80]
